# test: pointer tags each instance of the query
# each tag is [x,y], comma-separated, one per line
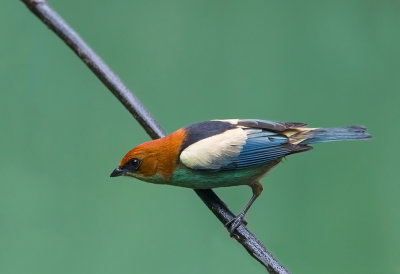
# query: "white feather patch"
[216,151]
[231,121]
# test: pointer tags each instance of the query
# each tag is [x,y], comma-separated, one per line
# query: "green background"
[328,63]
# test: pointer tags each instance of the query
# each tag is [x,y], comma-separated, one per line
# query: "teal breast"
[201,179]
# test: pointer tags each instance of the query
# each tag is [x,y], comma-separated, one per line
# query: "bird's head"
[153,161]
[140,162]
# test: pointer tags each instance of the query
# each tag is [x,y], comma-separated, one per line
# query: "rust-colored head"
[152,158]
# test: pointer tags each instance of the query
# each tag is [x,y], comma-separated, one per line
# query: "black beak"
[117,172]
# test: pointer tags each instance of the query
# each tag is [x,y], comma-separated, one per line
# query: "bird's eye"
[133,164]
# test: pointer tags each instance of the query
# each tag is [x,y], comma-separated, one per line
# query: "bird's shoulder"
[222,144]
[202,130]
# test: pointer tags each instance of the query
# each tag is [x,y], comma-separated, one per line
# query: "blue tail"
[321,135]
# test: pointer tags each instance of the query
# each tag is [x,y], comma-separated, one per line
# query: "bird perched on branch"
[223,153]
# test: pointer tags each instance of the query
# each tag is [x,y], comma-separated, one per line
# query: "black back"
[202,130]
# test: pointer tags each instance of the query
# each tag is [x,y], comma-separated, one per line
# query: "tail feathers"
[321,135]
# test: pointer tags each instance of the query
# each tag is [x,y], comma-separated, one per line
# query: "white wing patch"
[231,121]
[216,151]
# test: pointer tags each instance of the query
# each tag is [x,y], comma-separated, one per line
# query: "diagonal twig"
[48,16]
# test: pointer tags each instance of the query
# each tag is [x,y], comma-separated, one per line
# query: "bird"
[223,153]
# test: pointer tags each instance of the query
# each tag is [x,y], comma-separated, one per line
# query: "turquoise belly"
[190,178]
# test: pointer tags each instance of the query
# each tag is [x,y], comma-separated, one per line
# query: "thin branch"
[48,16]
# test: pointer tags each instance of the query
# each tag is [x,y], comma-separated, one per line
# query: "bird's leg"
[239,219]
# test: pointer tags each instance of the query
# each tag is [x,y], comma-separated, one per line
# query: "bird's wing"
[249,143]
[263,147]
[268,125]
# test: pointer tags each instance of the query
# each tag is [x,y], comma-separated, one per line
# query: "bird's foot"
[233,224]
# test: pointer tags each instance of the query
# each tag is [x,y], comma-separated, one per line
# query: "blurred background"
[328,63]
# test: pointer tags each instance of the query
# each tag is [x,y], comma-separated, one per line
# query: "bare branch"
[48,16]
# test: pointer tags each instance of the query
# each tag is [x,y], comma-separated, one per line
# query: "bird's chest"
[199,179]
